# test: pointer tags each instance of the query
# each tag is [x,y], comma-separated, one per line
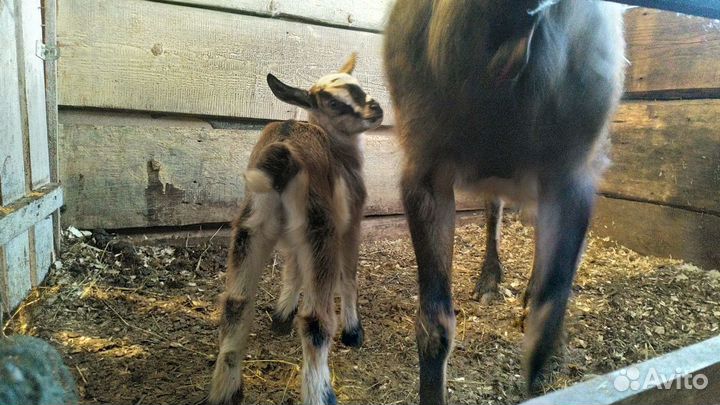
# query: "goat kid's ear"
[349,66]
[289,94]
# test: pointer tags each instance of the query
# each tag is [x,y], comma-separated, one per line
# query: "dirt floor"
[137,324]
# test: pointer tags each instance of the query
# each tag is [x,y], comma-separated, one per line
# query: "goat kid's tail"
[273,170]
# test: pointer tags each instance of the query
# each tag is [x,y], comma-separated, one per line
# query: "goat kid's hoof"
[353,337]
[236,399]
[282,326]
[330,398]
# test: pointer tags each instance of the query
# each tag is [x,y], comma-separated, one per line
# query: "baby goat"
[513,99]
[305,192]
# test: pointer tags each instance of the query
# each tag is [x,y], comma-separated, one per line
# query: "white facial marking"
[335,80]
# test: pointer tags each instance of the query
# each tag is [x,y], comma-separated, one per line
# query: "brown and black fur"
[513,104]
[304,194]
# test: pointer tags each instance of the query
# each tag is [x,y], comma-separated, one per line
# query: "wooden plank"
[702,8]
[33,71]
[15,271]
[19,216]
[128,119]
[667,152]
[44,249]
[690,374]
[368,15]
[12,174]
[120,177]
[116,55]
[671,53]
[659,230]
[51,102]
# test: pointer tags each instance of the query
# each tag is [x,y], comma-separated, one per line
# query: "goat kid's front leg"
[492,269]
[286,307]
[316,322]
[564,212]
[353,334]
[429,203]
[249,250]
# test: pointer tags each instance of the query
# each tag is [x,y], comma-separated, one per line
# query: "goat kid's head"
[336,102]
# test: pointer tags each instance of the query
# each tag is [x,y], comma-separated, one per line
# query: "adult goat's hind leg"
[430,209]
[352,330]
[286,307]
[492,269]
[564,211]
[316,321]
[250,248]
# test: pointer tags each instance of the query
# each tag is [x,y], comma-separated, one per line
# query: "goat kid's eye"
[333,104]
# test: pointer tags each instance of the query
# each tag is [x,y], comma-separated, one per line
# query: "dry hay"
[137,324]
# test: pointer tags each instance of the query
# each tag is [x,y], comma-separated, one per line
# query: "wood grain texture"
[667,152]
[12,170]
[699,359]
[116,55]
[44,249]
[33,72]
[51,102]
[368,15]
[671,52]
[15,271]
[19,216]
[660,230]
[121,177]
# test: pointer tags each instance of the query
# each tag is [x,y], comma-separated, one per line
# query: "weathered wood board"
[44,249]
[15,271]
[120,177]
[12,178]
[22,214]
[667,152]
[671,54]
[26,198]
[673,378]
[367,15]
[34,82]
[660,230]
[116,55]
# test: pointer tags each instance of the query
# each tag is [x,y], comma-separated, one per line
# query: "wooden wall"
[160,104]
[29,193]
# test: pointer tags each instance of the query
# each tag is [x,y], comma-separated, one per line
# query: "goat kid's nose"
[374,106]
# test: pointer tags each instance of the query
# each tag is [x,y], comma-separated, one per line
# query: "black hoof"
[236,399]
[486,289]
[283,326]
[353,337]
[330,398]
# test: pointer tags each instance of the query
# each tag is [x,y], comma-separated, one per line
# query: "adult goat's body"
[492,98]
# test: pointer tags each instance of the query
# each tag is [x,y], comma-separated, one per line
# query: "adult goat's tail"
[273,170]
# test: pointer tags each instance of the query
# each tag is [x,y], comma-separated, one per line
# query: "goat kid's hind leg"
[564,212]
[429,203]
[492,270]
[286,307]
[249,250]
[319,266]
[353,334]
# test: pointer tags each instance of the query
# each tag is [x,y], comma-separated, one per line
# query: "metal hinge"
[46,52]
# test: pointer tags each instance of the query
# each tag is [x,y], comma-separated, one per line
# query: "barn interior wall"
[157,119]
